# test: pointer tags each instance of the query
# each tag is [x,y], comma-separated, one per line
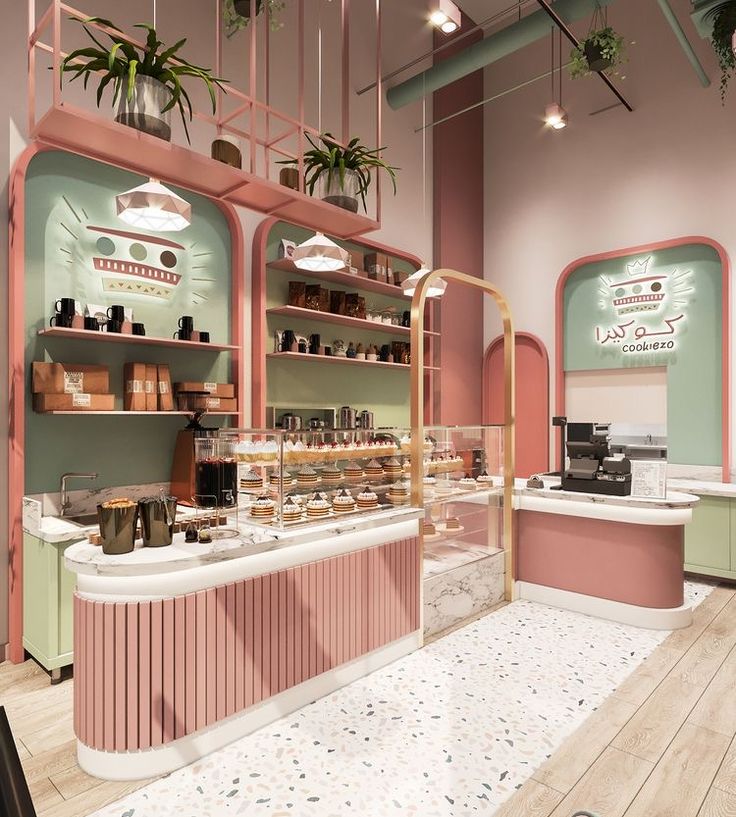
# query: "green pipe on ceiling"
[685,44]
[494,47]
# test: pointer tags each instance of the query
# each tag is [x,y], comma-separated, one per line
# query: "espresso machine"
[591,467]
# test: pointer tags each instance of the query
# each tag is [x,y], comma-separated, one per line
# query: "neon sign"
[650,308]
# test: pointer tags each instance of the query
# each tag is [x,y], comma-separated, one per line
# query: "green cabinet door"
[708,536]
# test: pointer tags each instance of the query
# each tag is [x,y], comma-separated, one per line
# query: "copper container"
[226,150]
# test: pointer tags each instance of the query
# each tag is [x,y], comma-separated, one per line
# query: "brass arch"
[417,402]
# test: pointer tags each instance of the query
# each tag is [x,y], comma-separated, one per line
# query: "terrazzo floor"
[451,730]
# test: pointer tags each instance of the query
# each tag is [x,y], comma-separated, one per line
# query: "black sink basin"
[83,519]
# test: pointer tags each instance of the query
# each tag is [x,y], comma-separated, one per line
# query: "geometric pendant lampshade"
[436,289]
[154,207]
[319,254]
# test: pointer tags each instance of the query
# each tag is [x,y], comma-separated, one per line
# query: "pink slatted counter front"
[163,681]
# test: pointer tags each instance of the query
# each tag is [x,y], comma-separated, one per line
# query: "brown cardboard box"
[357,259]
[337,302]
[317,297]
[134,387]
[216,403]
[354,305]
[165,395]
[151,387]
[297,294]
[215,389]
[70,378]
[73,402]
[376,264]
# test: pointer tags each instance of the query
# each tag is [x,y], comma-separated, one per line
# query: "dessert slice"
[343,502]
[367,499]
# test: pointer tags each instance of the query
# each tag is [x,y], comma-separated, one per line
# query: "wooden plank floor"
[663,745]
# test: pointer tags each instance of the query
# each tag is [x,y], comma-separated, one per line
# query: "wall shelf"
[341,320]
[344,278]
[145,413]
[90,134]
[344,360]
[145,340]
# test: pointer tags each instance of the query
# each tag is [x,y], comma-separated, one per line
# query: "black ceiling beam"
[562,25]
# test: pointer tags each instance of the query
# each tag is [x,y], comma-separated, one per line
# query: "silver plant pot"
[343,194]
[144,110]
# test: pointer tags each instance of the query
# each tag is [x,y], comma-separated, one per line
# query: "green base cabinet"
[710,539]
[48,589]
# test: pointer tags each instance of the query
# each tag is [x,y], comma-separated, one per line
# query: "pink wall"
[608,181]
[458,244]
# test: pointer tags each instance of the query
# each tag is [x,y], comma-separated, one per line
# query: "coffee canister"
[118,520]
[157,520]
[226,150]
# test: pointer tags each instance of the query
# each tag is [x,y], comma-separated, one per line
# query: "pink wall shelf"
[340,320]
[88,334]
[144,413]
[344,278]
[344,360]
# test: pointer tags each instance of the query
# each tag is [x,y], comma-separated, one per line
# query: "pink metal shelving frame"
[266,130]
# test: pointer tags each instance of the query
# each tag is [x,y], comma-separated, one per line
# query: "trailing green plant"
[608,42]
[334,159]
[234,21]
[723,16]
[120,63]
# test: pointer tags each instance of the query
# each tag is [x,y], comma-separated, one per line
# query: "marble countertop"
[85,558]
[703,487]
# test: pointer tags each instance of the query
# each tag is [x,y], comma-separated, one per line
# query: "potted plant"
[147,84]
[237,14]
[601,50]
[344,173]
[723,39]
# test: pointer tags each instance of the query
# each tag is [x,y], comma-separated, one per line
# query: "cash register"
[592,468]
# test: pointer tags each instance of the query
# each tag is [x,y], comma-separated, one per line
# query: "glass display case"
[463,496]
[293,478]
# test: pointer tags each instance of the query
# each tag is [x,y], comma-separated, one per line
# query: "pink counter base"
[150,672]
[634,564]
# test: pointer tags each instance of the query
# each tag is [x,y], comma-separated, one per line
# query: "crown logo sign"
[638,268]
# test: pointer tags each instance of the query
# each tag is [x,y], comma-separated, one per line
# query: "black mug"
[204,337]
[186,324]
[139,329]
[182,334]
[67,306]
[302,346]
[328,351]
[114,326]
[116,313]
[406,318]
[62,319]
[314,343]
[91,322]
[384,353]
[288,339]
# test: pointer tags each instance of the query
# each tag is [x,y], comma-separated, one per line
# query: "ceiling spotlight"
[445,16]
[151,206]
[555,116]
[319,254]
[436,289]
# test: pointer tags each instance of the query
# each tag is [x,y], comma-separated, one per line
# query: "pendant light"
[151,206]
[555,116]
[319,254]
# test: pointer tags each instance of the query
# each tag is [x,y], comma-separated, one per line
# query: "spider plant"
[335,160]
[120,63]
[723,16]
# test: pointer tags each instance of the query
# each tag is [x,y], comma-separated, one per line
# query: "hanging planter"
[237,14]
[343,173]
[601,50]
[723,40]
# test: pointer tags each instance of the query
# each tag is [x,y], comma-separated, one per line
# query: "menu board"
[649,478]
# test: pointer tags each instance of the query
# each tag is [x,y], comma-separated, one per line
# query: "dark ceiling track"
[560,23]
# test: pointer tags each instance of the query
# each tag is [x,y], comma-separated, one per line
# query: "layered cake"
[374,469]
[343,502]
[468,483]
[317,506]
[354,471]
[291,511]
[332,474]
[251,482]
[392,467]
[429,482]
[405,444]
[452,523]
[306,475]
[398,493]
[268,451]
[367,499]
[281,479]
[263,508]
[484,479]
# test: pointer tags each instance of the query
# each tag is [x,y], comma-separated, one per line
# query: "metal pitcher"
[157,520]
[117,527]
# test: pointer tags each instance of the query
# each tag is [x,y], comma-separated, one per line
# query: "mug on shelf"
[314,344]
[114,326]
[62,319]
[288,341]
[116,312]
[91,323]
[182,334]
[204,337]
[67,306]
[186,324]
[139,329]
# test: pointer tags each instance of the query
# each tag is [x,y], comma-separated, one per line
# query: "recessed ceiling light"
[445,15]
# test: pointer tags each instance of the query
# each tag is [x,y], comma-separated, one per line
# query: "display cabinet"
[288,479]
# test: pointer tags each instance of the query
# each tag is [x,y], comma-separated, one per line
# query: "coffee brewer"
[183,465]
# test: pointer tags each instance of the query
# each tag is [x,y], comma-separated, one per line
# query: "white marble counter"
[703,487]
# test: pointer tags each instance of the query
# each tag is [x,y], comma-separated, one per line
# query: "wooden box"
[165,396]
[337,302]
[216,403]
[151,387]
[297,293]
[215,389]
[376,264]
[134,387]
[317,298]
[73,402]
[354,305]
[356,259]
[70,378]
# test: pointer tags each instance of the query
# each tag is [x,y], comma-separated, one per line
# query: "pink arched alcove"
[532,399]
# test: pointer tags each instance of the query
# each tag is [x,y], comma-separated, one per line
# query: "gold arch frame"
[417,403]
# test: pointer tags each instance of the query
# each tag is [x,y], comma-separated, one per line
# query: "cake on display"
[332,474]
[367,499]
[263,508]
[251,482]
[317,506]
[392,467]
[484,479]
[291,511]
[343,502]
[281,479]
[468,483]
[354,471]
[306,475]
[374,469]
[398,493]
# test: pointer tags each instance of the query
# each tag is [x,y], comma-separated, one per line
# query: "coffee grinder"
[183,465]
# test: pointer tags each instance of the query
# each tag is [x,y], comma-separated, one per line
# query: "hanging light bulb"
[151,206]
[319,254]
[436,289]
[555,116]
